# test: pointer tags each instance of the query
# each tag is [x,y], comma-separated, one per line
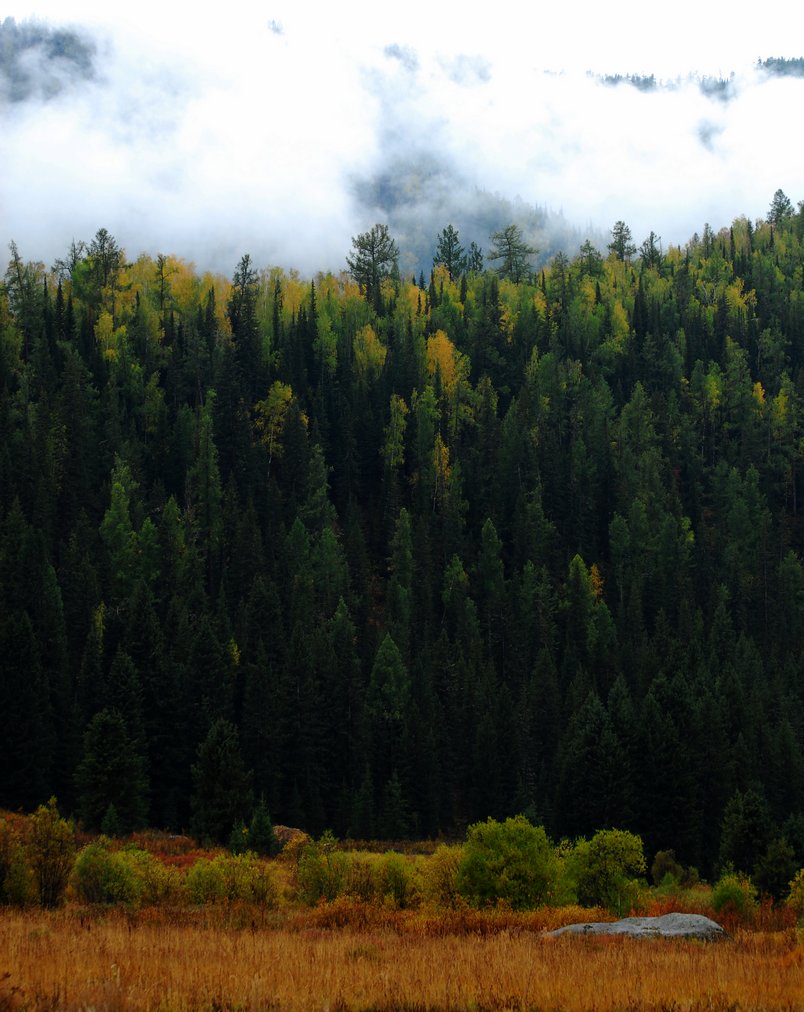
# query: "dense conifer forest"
[395,554]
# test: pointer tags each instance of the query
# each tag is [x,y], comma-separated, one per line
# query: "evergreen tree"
[242,313]
[449,252]
[746,831]
[111,772]
[509,247]
[222,793]
[621,244]
[781,209]
[26,741]
[375,257]
[261,838]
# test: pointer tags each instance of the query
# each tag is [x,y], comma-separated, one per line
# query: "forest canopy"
[396,555]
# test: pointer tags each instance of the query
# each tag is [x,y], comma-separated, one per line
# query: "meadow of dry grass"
[156,959]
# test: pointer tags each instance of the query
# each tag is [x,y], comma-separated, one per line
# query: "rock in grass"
[667,926]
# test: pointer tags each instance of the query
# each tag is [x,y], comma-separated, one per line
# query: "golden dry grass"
[203,960]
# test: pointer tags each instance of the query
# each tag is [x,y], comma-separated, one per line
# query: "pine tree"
[449,252]
[621,245]
[111,772]
[375,257]
[509,247]
[261,838]
[221,784]
[242,313]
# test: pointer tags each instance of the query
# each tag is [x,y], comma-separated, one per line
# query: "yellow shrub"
[440,876]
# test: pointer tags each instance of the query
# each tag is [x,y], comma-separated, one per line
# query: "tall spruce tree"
[222,794]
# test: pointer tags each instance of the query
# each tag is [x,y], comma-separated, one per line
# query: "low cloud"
[38,63]
[468,70]
[279,142]
[404,55]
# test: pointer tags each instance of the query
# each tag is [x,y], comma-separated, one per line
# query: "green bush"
[229,877]
[666,870]
[322,872]
[511,861]
[16,875]
[101,875]
[205,882]
[605,869]
[50,849]
[253,880]
[440,876]
[396,881]
[155,883]
[361,878]
[734,894]
[795,898]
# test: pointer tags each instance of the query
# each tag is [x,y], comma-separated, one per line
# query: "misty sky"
[258,128]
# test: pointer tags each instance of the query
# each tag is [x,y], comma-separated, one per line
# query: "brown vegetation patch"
[201,960]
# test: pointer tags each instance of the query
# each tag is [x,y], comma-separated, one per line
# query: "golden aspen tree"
[270,418]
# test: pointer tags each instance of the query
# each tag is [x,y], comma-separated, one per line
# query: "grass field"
[154,922]
[239,959]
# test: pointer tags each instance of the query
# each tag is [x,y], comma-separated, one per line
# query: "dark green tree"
[513,253]
[242,313]
[261,837]
[746,831]
[222,793]
[449,252]
[374,257]
[26,742]
[474,259]
[111,772]
[781,208]
[590,259]
[650,252]
[621,245]
[775,869]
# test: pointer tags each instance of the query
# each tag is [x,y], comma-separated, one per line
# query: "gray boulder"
[666,926]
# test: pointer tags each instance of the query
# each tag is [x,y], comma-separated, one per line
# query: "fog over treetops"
[286,140]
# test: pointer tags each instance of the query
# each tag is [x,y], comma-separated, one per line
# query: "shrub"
[253,880]
[669,875]
[51,848]
[511,861]
[205,882]
[291,844]
[664,865]
[396,880]
[322,871]
[734,894]
[604,870]
[101,875]
[440,876]
[230,877]
[156,883]
[361,878]
[795,898]
[16,875]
